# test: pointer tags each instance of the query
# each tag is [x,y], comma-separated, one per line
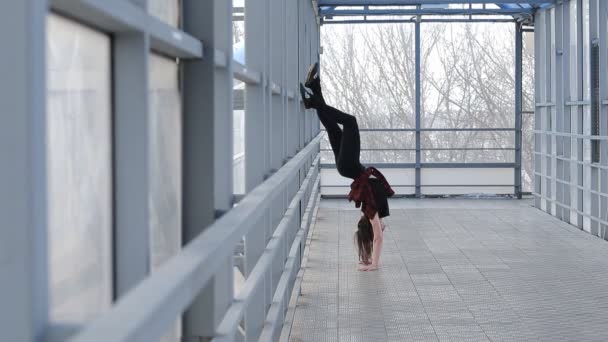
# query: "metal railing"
[434,165]
[147,311]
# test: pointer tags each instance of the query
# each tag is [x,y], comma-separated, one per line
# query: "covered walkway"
[162,180]
[455,270]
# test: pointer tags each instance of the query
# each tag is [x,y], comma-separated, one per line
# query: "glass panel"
[239,138]
[80,170]
[480,146]
[527,143]
[238,30]
[369,158]
[165,165]
[379,147]
[467,139]
[468,75]
[166,10]
[165,158]
[369,71]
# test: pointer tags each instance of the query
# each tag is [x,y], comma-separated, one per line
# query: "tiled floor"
[455,270]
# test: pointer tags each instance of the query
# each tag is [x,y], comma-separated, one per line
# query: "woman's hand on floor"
[367,268]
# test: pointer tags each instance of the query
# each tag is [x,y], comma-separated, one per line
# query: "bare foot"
[368,268]
[362,262]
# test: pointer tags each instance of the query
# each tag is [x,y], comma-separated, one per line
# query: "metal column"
[418,107]
[256,107]
[207,143]
[518,107]
[131,159]
[23,174]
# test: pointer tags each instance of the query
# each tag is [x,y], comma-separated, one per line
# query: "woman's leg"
[347,159]
[346,145]
[334,132]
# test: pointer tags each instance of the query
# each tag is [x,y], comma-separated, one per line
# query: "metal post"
[418,109]
[567,112]
[207,144]
[593,75]
[292,77]
[603,41]
[257,147]
[255,94]
[518,107]
[557,95]
[537,183]
[131,161]
[578,117]
[277,117]
[23,207]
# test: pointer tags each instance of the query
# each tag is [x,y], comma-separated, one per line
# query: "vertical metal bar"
[257,146]
[255,94]
[594,124]
[538,58]
[567,112]
[550,166]
[557,95]
[578,118]
[23,208]
[603,42]
[418,107]
[518,106]
[131,160]
[586,114]
[207,154]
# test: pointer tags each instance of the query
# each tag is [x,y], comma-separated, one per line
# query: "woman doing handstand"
[369,188]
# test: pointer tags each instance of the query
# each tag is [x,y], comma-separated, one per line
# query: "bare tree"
[467,81]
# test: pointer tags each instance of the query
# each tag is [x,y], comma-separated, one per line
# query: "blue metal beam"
[428,11]
[431,2]
[403,20]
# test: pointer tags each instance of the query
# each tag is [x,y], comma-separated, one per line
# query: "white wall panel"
[80,170]
[165,10]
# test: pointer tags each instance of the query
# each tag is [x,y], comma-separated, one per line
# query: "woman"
[369,188]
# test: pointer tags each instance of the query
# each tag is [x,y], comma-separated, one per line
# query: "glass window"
[467,75]
[80,170]
[527,143]
[165,158]
[165,165]
[166,10]
[238,30]
[238,137]
[369,71]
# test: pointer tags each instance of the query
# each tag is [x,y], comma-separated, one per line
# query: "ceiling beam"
[400,21]
[427,2]
[429,11]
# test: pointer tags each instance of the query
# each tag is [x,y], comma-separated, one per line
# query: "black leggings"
[345,142]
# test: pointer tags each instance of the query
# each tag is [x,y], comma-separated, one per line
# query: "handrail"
[243,74]
[472,129]
[492,165]
[281,297]
[436,149]
[229,324]
[152,306]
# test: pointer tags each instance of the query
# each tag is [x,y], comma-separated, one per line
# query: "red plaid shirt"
[362,193]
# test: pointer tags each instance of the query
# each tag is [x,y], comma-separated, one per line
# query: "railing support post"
[418,109]
[208,152]
[518,107]
[131,160]
[23,171]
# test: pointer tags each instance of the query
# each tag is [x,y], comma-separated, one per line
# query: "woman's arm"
[377,246]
